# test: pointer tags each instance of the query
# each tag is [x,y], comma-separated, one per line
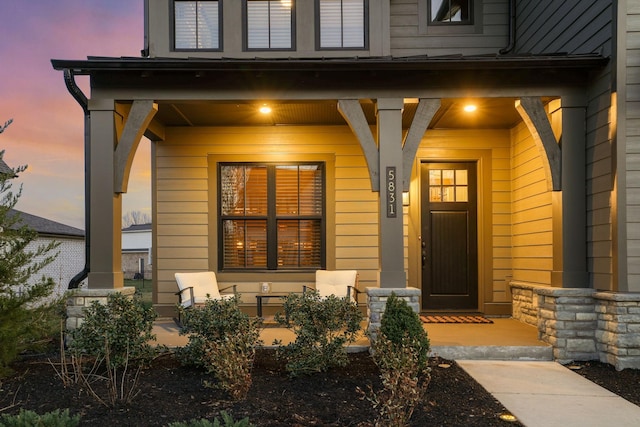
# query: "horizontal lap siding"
[407,39]
[182,195]
[532,234]
[632,129]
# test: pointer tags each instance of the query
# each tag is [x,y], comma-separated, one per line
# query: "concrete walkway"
[547,394]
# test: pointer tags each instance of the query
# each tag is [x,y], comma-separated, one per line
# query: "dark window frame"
[245,30]
[318,30]
[271,218]
[173,28]
[469,22]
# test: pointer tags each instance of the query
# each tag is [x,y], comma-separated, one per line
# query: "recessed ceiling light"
[265,109]
[470,108]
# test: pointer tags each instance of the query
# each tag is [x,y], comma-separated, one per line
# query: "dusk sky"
[47,133]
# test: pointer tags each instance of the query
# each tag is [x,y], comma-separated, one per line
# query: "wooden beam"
[425,111]
[352,112]
[138,120]
[535,117]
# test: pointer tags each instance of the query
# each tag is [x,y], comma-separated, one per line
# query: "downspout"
[74,90]
[512,28]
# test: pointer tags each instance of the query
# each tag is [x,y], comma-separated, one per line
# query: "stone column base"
[82,298]
[618,333]
[377,301]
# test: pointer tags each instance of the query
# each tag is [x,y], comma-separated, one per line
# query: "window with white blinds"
[271,216]
[342,24]
[269,24]
[196,24]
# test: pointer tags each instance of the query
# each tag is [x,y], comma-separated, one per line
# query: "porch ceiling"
[491,113]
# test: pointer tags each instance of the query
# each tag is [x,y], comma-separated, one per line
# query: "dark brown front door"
[449,236]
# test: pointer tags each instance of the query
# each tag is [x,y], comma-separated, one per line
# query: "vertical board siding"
[532,234]
[408,37]
[632,132]
[551,26]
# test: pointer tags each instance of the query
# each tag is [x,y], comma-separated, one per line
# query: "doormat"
[454,319]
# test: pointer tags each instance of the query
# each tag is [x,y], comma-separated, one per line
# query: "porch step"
[493,352]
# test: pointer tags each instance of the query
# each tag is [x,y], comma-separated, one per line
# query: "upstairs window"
[269,24]
[450,12]
[197,24]
[342,24]
[271,216]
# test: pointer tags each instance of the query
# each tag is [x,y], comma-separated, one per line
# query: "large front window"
[196,24]
[269,24]
[342,24]
[271,216]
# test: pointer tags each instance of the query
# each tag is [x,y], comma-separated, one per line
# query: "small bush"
[227,421]
[110,348]
[404,381]
[400,322]
[400,351]
[32,419]
[223,340]
[322,327]
[122,325]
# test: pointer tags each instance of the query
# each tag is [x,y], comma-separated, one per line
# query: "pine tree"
[27,311]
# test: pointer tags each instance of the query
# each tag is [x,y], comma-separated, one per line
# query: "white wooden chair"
[196,288]
[341,283]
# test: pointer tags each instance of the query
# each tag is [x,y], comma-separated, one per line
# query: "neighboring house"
[70,257]
[136,251]
[290,136]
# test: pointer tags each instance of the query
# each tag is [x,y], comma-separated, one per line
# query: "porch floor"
[504,339]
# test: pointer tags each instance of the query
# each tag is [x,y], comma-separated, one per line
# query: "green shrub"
[402,326]
[32,419]
[227,421]
[223,340]
[120,329]
[322,327]
[404,381]
[109,349]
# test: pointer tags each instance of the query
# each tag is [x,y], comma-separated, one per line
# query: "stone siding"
[82,298]
[618,333]
[582,324]
[567,321]
[524,303]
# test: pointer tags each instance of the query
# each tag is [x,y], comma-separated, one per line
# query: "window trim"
[272,217]
[451,23]
[426,27]
[245,30]
[172,14]
[318,29]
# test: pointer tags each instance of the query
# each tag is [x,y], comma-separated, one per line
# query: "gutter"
[512,29]
[76,92]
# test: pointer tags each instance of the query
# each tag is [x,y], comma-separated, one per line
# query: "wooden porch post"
[392,273]
[106,204]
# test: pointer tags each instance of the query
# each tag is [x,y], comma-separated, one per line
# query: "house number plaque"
[392,195]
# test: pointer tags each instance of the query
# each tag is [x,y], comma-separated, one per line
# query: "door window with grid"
[271,216]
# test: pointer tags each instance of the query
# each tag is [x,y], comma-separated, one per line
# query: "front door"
[449,236]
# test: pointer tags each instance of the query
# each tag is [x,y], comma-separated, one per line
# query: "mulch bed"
[170,392]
